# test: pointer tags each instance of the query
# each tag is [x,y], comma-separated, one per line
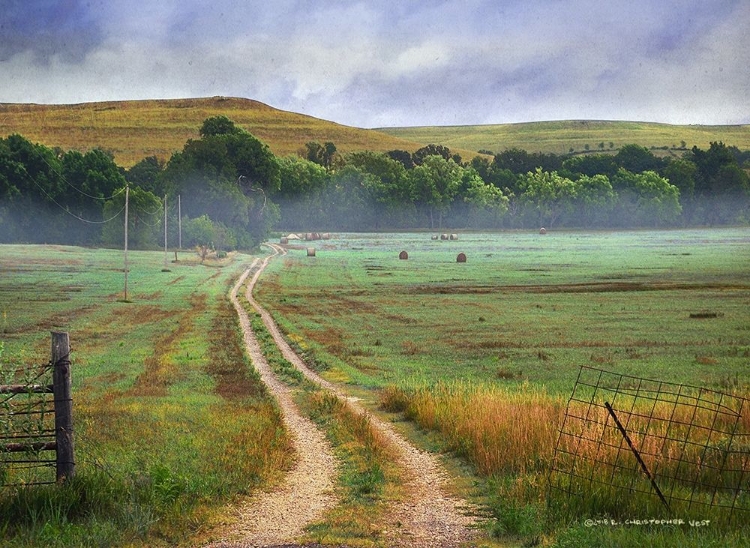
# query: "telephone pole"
[127,195]
[165,231]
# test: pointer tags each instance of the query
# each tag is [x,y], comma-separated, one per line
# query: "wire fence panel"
[27,426]
[663,444]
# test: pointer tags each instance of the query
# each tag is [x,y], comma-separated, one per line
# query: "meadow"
[481,356]
[478,357]
[171,421]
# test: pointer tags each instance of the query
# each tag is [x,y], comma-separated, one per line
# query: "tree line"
[233,190]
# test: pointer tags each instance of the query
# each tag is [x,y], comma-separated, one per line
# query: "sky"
[391,62]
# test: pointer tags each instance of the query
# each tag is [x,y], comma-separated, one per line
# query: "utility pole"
[179,222]
[165,231]
[127,195]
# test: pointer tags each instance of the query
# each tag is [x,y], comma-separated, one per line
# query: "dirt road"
[426,517]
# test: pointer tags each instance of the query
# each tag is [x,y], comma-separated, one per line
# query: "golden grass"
[498,430]
[515,431]
[133,130]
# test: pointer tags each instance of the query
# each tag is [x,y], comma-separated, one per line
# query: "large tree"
[228,175]
[436,181]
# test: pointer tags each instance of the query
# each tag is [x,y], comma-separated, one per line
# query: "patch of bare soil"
[428,516]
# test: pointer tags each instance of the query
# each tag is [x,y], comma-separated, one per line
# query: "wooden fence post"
[61,381]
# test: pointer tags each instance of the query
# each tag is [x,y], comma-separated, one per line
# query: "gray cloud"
[374,64]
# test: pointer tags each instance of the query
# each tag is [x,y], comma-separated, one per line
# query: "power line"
[66,210]
[78,189]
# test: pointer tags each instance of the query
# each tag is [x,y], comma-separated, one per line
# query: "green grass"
[560,137]
[486,353]
[523,308]
[367,477]
[171,421]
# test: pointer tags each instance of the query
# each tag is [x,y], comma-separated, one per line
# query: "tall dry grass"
[513,433]
[496,429]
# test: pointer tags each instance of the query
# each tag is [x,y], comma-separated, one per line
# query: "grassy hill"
[133,130]
[560,137]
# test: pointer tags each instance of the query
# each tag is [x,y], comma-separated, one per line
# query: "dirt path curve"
[279,516]
[429,517]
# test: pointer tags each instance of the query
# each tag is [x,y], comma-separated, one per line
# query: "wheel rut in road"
[427,515]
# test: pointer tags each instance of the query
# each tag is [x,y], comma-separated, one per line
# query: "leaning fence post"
[61,381]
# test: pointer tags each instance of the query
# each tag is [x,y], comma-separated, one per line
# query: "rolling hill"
[133,130]
[560,137]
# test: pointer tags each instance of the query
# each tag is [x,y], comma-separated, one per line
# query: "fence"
[673,446]
[32,423]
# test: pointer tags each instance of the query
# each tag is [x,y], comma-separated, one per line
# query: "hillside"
[560,137]
[133,130]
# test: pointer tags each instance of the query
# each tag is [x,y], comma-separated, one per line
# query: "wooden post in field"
[165,232]
[61,381]
[127,192]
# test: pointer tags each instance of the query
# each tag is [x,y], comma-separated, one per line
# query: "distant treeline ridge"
[232,191]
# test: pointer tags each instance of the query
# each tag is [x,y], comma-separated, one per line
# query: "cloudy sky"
[392,62]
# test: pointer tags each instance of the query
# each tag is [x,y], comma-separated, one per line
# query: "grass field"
[524,307]
[485,354]
[560,137]
[171,422]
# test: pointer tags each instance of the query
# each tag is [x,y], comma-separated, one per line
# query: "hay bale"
[316,236]
[542,230]
[293,236]
[284,240]
[403,255]
[326,235]
[434,237]
[309,236]
[311,252]
[443,236]
[454,236]
[461,258]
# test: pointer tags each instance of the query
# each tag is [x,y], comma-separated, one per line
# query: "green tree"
[435,182]
[646,199]
[389,190]
[218,125]
[228,175]
[483,205]
[146,174]
[301,196]
[548,195]
[594,201]
[145,214]
[430,150]
[637,159]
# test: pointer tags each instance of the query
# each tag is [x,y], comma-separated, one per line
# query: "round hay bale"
[316,236]
[309,236]
[293,236]
[434,237]
[461,258]
[542,230]
[454,236]
[326,235]
[311,252]
[284,240]
[443,236]
[403,255]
